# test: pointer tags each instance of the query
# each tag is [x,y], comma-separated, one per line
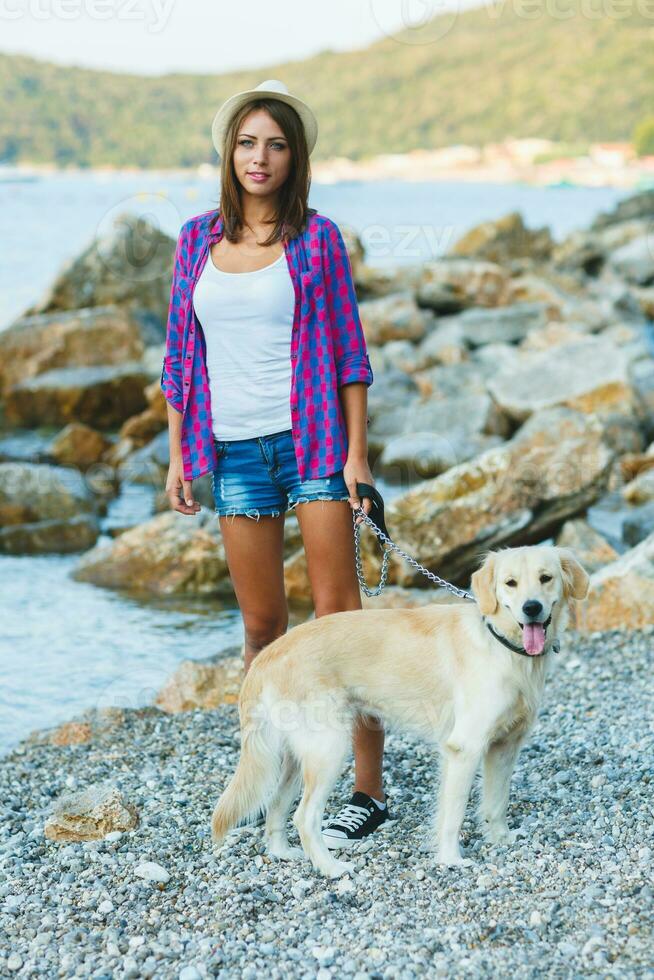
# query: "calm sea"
[67,646]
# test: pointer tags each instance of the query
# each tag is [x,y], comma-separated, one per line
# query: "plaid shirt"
[328,347]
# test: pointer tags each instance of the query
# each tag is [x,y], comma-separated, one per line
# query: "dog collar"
[555,647]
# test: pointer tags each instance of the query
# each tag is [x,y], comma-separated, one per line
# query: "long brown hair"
[292,207]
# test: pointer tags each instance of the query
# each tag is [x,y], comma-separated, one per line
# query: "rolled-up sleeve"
[350,352]
[171,374]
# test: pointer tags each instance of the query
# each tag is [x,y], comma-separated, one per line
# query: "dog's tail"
[257,773]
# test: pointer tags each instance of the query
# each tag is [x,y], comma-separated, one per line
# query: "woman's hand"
[357,470]
[176,485]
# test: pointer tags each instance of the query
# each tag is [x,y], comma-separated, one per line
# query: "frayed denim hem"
[320,496]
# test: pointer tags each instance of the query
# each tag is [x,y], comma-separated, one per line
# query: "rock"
[451,285]
[553,468]
[438,419]
[31,492]
[592,550]
[201,685]
[621,595]
[150,871]
[590,376]
[638,525]
[90,814]
[130,264]
[502,325]
[421,456]
[399,355]
[35,345]
[640,490]
[50,537]
[632,464]
[635,260]
[171,554]
[444,344]
[78,445]
[588,250]
[297,584]
[375,281]
[638,205]
[395,317]
[553,334]
[71,733]
[504,239]
[102,397]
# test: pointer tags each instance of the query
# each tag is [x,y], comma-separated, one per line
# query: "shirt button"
[293,357]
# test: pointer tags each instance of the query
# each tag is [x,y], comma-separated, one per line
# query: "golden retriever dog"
[466,677]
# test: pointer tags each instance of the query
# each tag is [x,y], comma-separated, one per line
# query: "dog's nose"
[532,608]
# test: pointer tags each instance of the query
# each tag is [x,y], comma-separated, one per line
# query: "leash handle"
[377,508]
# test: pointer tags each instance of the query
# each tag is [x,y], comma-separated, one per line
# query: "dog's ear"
[575,579]
[483,586]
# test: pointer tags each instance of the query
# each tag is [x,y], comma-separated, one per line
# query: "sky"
[154,37]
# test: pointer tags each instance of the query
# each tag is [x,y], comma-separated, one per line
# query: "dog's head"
[525,592]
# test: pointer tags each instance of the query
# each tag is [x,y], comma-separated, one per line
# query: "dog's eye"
[545,578]
[511,582]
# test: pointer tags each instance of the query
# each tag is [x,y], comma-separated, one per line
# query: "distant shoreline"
[606,165]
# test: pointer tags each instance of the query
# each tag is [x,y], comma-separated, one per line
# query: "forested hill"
[483,75]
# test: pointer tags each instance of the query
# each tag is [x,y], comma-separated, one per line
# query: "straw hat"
[271,88]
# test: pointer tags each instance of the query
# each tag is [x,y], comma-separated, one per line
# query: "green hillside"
[490,77]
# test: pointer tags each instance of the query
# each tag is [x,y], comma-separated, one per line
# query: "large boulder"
[45,509]
[504,239]
[635,260]
[35,492]
[590,376]
[554,468]
[621,595]
[171,554]
[451,285]
[103,397]
[395,317]
[129,265]
[36,344]
[592,550]
[503,325]
[202,685]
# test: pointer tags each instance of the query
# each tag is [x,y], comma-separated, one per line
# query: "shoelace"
[352,816]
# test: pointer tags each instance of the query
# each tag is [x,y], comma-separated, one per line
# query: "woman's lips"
[258,177]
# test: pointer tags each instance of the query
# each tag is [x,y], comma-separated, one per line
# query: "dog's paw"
[286,853]
[454,861]
[501,835]
[335,869]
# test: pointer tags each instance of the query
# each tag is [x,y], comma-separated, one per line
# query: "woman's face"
[261,148]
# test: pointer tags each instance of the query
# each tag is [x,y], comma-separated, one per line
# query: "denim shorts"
[260,476]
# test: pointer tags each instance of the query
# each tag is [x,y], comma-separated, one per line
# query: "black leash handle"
[377,509]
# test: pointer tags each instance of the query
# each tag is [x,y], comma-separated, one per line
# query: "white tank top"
[247,319]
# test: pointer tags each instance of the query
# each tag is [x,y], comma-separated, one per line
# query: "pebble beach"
[572,897]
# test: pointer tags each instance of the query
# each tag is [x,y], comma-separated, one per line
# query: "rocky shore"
[147,898]
[513,403]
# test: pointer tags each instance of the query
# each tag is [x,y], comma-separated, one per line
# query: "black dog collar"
[555,647]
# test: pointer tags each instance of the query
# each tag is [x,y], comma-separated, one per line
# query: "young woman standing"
[266,375]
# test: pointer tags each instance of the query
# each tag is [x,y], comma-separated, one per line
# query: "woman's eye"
[511,583]
[545,578]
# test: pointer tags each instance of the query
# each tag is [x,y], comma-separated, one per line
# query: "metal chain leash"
[360,512]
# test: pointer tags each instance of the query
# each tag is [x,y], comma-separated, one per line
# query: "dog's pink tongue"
[533,638]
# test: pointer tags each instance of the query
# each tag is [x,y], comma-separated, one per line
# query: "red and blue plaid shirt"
[328,347]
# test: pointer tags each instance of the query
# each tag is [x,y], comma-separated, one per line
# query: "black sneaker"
[354,821]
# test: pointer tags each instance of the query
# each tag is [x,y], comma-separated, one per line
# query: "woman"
[266,375]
